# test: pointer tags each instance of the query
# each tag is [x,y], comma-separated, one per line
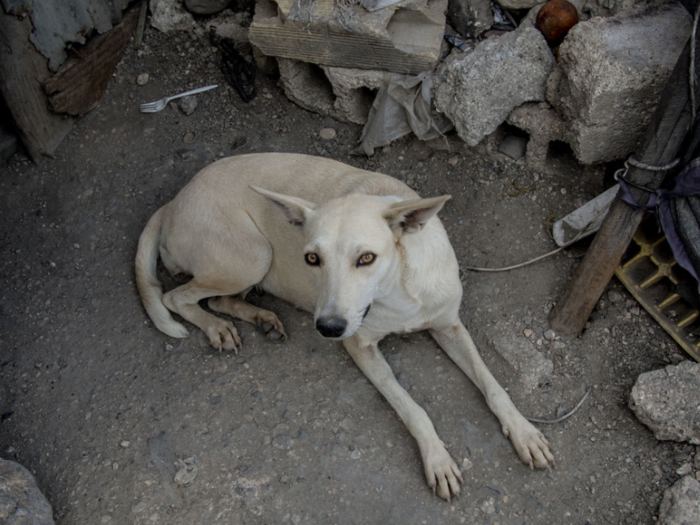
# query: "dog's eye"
[366,258]
[312,259]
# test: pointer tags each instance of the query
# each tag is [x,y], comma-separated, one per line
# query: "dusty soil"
[100,405]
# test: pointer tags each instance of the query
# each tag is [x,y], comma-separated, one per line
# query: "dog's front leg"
[441,473]
[530,444]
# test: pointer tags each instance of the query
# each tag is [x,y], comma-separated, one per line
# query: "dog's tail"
[147,283]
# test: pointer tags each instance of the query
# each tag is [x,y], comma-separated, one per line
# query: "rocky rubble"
[21,501]
[666,401]
[681,503]
[596,91]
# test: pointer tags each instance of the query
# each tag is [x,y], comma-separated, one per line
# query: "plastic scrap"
[458,42]
[402,106]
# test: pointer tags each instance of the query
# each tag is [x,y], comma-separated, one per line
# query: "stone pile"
[597,96]
[596,91]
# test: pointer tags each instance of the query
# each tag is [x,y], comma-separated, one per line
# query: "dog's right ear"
[293,209]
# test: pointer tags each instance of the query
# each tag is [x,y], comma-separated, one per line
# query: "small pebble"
[550,335]
[142,79]
[125,444]
[188,104]
[527,332]
[355,454]
[467,464]
[327,133]
[684,469]
[614,296]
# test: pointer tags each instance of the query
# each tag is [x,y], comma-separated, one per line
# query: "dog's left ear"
[293,209]
[410,216]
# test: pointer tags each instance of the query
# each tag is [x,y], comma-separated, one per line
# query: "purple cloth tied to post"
[678,210]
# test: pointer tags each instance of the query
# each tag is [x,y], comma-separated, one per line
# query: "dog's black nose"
[331,326]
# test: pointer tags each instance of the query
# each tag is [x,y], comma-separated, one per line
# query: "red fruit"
[555,19]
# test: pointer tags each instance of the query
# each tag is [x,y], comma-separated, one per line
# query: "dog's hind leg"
[236,306]
[184,301]
[441,472]
[530,444]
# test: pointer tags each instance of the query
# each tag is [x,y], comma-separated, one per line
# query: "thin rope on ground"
[531,261]
[565,416]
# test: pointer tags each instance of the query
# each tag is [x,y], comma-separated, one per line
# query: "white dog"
[359,249]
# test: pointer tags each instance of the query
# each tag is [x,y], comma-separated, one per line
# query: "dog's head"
[350,247]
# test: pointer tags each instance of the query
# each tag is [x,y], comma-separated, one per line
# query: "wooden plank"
[660,146]
[22,69]
[403,41]
[82,80]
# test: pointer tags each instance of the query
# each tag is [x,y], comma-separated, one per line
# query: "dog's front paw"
[223,335]
[274,332]
[532,447]
[441,473]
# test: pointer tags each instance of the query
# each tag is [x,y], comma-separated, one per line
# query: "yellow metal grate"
[650,278]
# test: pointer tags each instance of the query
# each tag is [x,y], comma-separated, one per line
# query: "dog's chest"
[402,316]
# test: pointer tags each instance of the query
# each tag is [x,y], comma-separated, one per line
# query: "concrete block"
[543,124]
[343,94]
[478,90]
[611,74]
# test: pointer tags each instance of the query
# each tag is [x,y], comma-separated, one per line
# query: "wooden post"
[660,146]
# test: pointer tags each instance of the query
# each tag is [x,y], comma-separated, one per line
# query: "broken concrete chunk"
[681,503]
[531,366]
[343,94]
[478,91]
[611,74]
[21,501]
[666,401]
[543,124]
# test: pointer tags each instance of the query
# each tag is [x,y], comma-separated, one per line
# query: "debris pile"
[595,91]
[666,401]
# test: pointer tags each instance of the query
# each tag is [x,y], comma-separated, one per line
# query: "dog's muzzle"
[331,327]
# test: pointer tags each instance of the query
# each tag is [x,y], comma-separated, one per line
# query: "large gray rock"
[344,94]
[681,503]
[21,501]
[478,91]
[470,17]
[667,402]
[610,77]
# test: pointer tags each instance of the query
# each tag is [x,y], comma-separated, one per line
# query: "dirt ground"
[100,405]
